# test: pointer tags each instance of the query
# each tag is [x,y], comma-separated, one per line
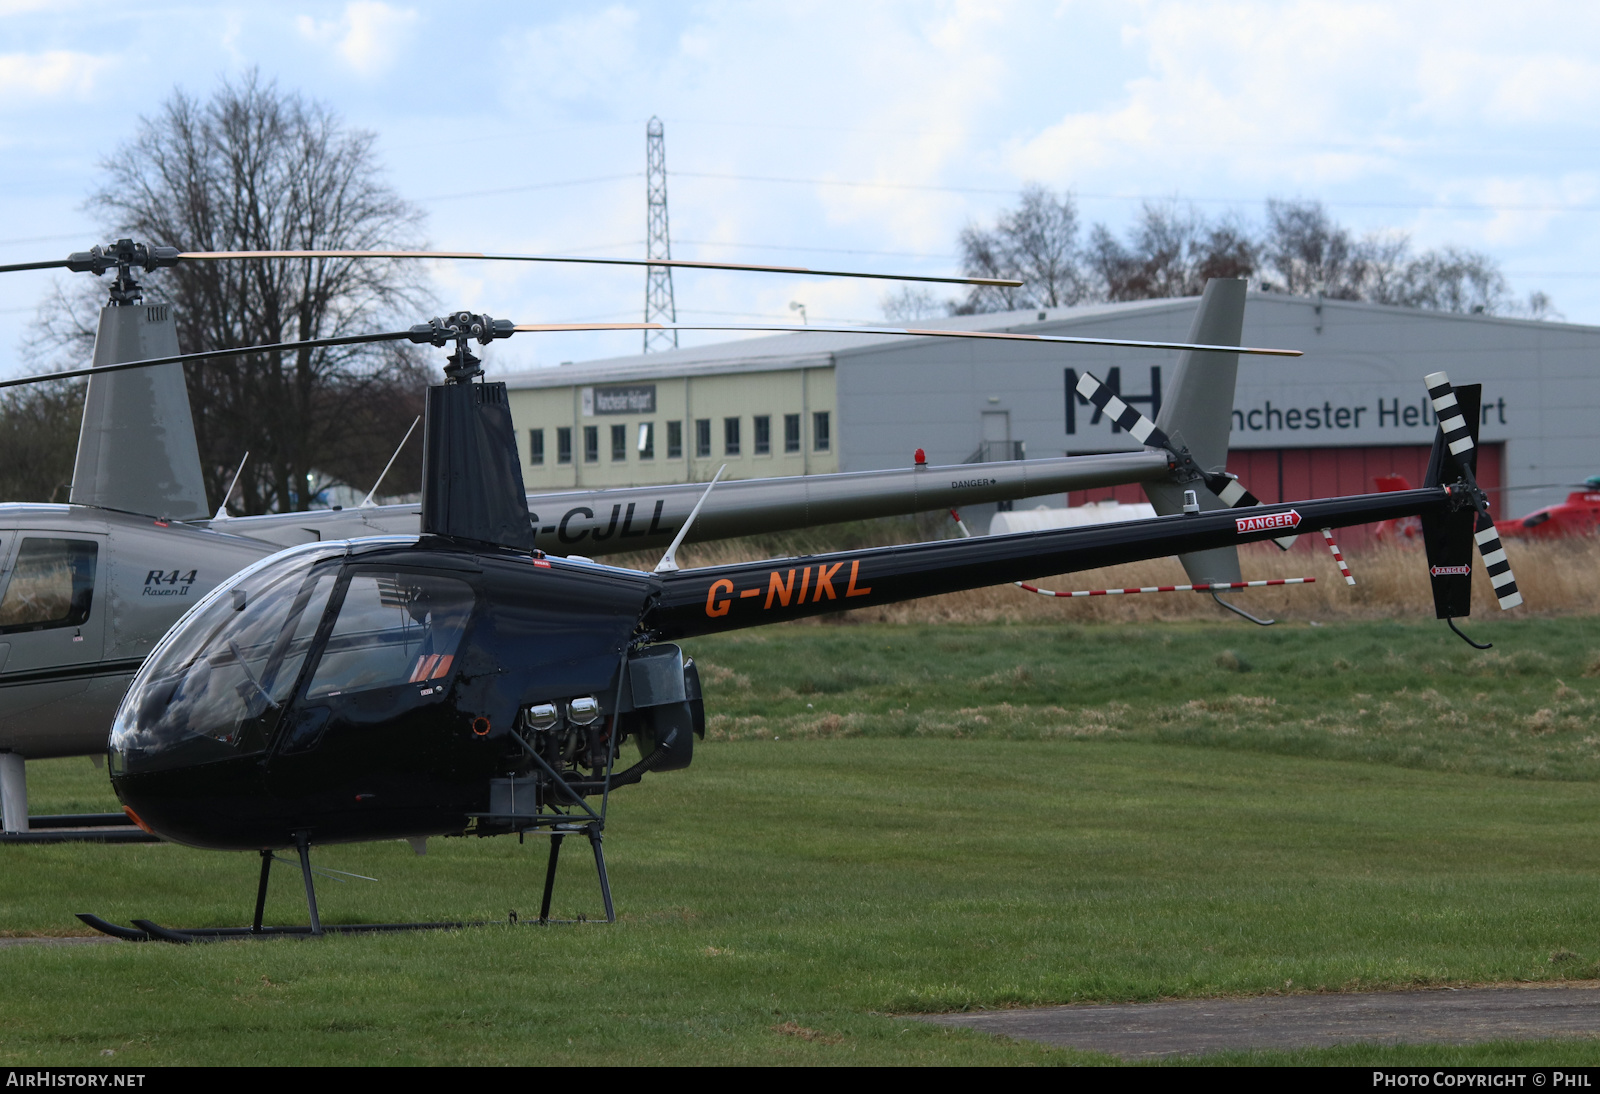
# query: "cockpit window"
[393,628]
[221,686]
[52,585]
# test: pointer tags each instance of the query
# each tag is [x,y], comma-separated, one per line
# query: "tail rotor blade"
[1230,490]
[1495,564]
[1457,433]
[1126,417]
[1226,487]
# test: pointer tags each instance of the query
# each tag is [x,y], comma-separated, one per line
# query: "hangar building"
[1351,409]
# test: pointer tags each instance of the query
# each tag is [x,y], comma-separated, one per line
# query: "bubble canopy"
[220,682]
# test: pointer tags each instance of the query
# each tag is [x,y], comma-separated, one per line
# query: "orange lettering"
[855,565]
[748,593]
[825,581]
[805,583]
[712,607]
[783,590]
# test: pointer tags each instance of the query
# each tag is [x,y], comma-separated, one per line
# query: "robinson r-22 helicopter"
[92,586]
[462,682]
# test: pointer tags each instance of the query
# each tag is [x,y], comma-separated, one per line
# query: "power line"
[533,186]
[816,250]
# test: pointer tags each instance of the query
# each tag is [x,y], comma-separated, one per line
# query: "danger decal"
[1267,522]
[1447,571]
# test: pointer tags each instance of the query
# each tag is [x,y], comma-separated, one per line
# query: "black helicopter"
[460,682]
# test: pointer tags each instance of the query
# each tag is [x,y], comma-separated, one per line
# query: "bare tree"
[1035,243]
[1307,254]
[257,168]
[38,438]
[1171,251]
[910,304]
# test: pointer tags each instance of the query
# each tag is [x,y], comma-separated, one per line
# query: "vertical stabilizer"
[1197,412]
[137,448]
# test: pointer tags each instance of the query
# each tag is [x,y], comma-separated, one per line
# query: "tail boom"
[722,598]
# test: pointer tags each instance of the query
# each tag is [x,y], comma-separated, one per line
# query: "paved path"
[1192,1027]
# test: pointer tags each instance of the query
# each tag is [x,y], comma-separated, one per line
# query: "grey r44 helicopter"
[90,587]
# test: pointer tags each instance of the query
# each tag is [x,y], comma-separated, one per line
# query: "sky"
[858,135]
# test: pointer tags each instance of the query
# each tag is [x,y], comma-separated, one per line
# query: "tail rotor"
[1449,537]
[1228,489]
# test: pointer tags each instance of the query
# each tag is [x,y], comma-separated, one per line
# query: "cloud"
[1315,93]
[55,74]
[369,35]
[589,58]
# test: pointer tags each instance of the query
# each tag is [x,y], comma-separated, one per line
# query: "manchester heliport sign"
[619,399]
[1308,413]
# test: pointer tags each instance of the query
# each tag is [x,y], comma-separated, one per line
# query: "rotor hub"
[124,256]
[462,328]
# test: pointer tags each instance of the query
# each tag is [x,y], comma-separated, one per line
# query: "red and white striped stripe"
[1203,587]
[1344,567]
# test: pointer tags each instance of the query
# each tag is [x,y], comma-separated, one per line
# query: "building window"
[564,444]
[647,440]
[820,441]
[791,432]
[591,444]
[702,437]
[763,432]
[674,440]
[619,443]
[730,436]
[536,447]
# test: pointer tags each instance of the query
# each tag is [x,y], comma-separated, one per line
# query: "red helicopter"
[1579,515]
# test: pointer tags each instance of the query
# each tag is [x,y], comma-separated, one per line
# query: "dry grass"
[1556,578]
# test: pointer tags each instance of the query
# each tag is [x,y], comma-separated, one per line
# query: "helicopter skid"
[145,930]
[80,828]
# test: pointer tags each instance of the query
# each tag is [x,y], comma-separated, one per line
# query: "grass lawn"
[948,824]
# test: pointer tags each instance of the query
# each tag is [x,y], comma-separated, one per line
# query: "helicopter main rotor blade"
[207,355]
[915,332]
[552,328]
[51,264]
[477,256]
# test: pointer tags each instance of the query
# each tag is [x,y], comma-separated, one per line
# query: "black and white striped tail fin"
[1495,563]
[1457,433]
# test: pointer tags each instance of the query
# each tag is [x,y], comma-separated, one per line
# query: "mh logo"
[1113,384]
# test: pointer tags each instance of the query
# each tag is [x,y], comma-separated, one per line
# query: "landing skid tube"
[145,930]
[80,828]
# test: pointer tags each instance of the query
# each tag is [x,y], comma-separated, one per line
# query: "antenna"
[222,510]
[367,502]
[658,302]
[669,562]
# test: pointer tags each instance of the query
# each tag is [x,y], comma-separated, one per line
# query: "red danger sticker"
[1443,571]
[1268,523]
